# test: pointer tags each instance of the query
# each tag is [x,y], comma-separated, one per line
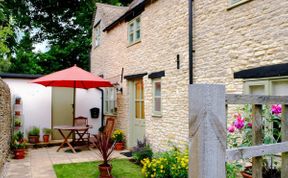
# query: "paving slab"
[38,163]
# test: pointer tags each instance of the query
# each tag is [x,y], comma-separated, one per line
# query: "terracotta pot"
[245,175]
[33,139]
[17,113]
[105,171]
[19,153]
[119,146]
[18,101]
[46,138]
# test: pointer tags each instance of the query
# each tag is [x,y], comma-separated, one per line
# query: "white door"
[137,112]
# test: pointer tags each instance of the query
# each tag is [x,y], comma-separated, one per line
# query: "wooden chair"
[108,129]
[82,136]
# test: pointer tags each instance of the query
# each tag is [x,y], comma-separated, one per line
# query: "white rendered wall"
[36,103]
[85,100]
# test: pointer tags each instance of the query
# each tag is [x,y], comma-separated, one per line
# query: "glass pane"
[106,106]
[138,35]
[137,109]
[142,90]
[157,88]
[138,88]
[131,38]
[157,105]
[131,27]
[142,110]
[138,23]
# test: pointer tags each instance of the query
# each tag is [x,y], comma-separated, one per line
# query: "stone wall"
[226,41]
[164,32]
[5,121]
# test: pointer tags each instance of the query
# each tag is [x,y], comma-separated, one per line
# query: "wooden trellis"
[207,132]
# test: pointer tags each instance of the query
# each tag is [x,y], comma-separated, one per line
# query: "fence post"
[207,131]
[257,139]
[284,129]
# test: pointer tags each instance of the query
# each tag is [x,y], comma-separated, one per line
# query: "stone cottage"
[144,50]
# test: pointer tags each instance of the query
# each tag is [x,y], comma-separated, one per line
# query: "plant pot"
[19,153]
[46,138]
[17,113]
[119,146]
[33,139]
[245,175]
[18,101]
[105,171]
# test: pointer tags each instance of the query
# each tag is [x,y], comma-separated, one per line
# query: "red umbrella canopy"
[73,77]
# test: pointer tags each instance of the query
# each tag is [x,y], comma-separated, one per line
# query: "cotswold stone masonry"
[5,122]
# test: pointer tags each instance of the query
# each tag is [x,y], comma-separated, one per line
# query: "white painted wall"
[85,100]
[36,101]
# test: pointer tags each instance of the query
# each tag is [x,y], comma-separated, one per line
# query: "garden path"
[38,163]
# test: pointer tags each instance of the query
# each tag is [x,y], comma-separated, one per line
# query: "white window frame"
[97,36]
[154,112]
[110,101]
[134,31]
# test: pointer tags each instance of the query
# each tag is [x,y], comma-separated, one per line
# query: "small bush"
[35,131]
[168,164]
[142,151]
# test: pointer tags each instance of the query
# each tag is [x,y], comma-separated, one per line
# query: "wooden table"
[71,129]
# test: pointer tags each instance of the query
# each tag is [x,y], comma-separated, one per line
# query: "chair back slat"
[80,121]
[109,127]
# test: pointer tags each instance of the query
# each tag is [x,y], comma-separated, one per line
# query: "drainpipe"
[190,41]
[102,106]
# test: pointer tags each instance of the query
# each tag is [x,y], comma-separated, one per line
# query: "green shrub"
[232,169]
[168,164]
[35,131]
[47,131]
[142,151]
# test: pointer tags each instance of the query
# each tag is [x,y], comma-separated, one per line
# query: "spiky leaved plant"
[105,147]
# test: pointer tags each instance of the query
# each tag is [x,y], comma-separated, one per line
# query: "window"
[157,101]
[235,3]
[134,32]
[97,35]
[268,86]
[110,101]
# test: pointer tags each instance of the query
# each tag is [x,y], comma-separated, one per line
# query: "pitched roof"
[112,15]
[109,13]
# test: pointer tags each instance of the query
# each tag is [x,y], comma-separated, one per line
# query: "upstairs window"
[134,31]
[110,101]
[232,2]
[97,35]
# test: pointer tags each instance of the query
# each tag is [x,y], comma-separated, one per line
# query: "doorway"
[137,112]
[62,109]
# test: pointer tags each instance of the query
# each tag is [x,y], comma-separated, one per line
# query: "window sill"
[157,115]
[232,6]
[132,44]
[112,115]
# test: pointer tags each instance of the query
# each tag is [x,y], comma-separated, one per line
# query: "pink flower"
[231,128]
[249,124]
[276,109]
[239,122]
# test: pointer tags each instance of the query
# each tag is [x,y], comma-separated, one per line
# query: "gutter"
[190,36]
[102,106]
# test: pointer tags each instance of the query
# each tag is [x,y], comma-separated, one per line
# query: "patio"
[38,163]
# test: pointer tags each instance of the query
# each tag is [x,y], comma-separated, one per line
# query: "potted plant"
[46,135]
[17,100]
[118,137]
[105,149]
[18,145]
[33,135]
[17,123]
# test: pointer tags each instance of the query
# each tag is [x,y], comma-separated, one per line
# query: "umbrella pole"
[74,103]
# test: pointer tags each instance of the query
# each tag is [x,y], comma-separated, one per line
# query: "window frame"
[232,4]
[107,98]
[134,31]
[97,37]
[154,112]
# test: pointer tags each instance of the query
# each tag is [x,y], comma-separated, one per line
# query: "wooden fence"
[208,132]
